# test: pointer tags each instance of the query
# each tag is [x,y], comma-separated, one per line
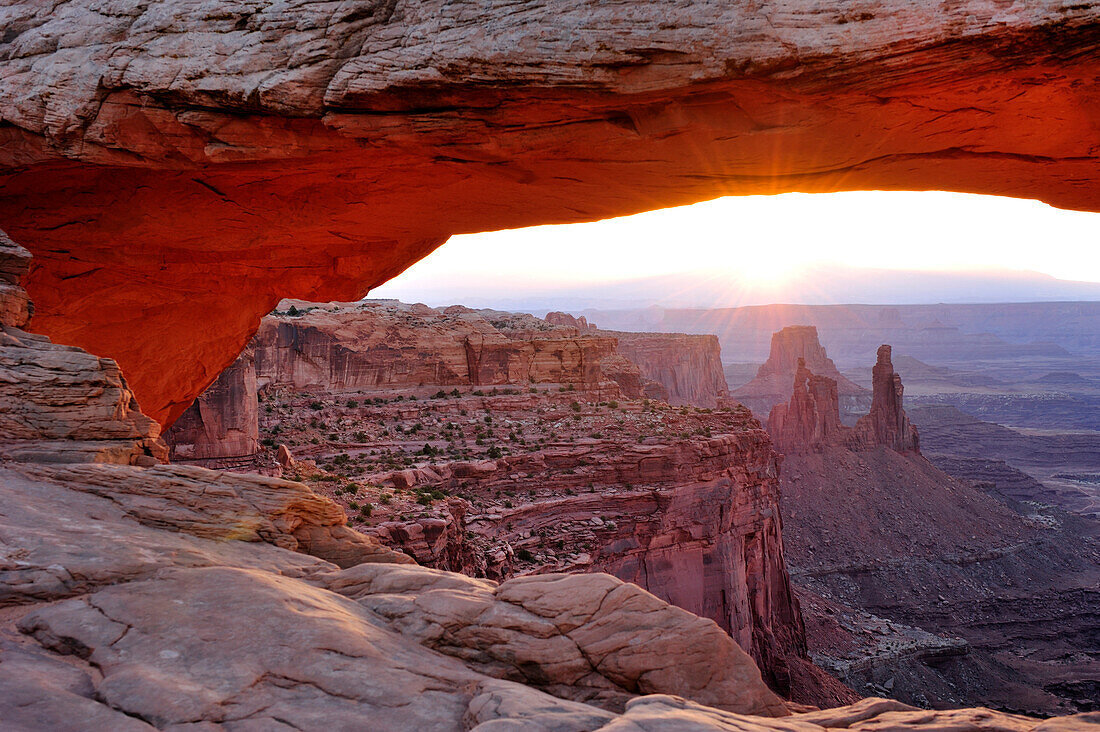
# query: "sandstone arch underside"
[178,167]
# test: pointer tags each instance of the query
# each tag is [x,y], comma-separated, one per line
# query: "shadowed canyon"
[237,496]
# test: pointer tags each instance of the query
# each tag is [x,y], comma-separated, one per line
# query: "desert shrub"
[495,452]
[316,406]
[524,556]
[366,509]
[352,404]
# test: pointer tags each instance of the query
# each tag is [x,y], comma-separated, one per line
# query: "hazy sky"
[763,240]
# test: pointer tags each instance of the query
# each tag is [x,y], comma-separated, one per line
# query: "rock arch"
[173,186]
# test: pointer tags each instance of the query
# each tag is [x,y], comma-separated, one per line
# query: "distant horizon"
[578,312]
[870,246]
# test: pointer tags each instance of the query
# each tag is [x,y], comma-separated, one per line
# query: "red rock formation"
[790,346]
[688,367]
[508,484]
[566,320]
[811,418]
[15,304]
[353,346]
[337,148]
[58,403]
[886,424]
[224,421]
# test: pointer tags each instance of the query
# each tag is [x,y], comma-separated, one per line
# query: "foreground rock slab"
[151,621]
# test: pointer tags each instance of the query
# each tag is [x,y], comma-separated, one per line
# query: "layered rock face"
[688,367]
[391,345]
[886,423]
[224,421]
[793,347]
[811,419]
[353,346]
[59,403]
[570,321]
[133,136]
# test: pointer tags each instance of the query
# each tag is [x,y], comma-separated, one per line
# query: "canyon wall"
[224,421]
[693,520]
[689,367]
[504,483]
[351,346]
[795,347]
[226,157]
[391,345]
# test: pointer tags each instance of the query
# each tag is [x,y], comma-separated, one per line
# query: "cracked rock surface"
[112,617]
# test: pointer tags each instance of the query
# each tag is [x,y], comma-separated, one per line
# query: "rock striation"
[687,367]
[355,346]
[792,348]
[224,421]
[886,423]
[59,403]
[171,144]
[810,421]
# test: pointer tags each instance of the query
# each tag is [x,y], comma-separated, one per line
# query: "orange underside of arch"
[167,263]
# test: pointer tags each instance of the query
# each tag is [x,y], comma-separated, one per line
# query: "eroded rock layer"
[380,345]
[688,367]
[795,351]
[225,156]
[811,419]
[223,421]
[59,403]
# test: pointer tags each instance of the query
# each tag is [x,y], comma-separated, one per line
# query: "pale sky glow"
[764,240]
